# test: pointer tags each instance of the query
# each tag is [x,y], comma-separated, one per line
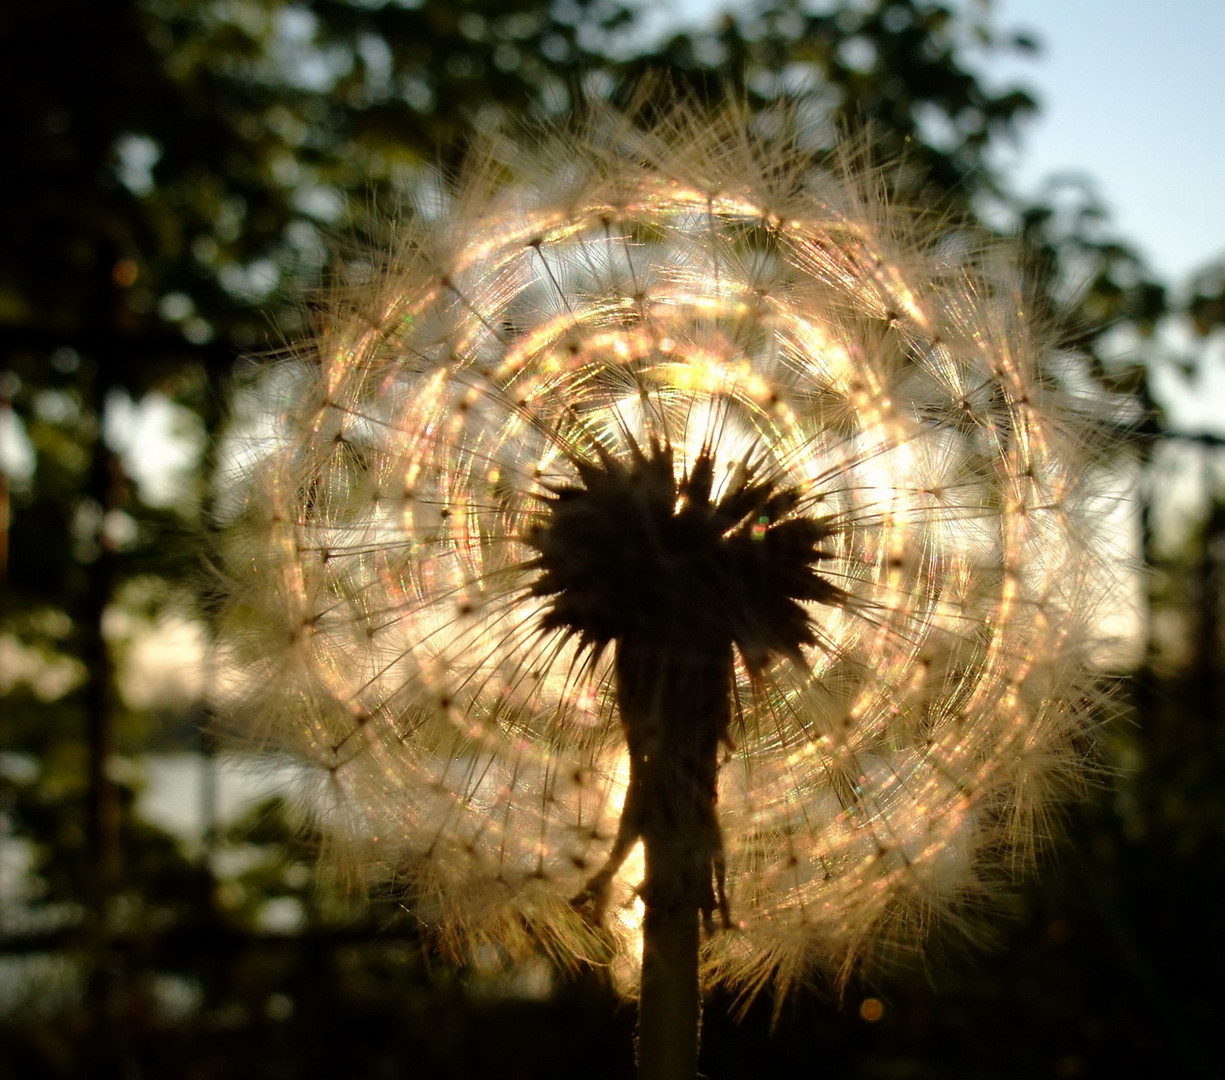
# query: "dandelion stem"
[675,705]
[669,1008]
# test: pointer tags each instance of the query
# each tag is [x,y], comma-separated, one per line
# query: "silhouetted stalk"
[102,858]
[674,710]
[102,489]
[102,827]
[669,1007]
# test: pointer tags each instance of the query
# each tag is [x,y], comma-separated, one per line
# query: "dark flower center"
[632,553]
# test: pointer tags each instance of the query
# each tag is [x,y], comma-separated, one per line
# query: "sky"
[1132,95]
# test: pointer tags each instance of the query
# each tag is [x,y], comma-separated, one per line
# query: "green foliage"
[176,172]
[1207,304]
[904,68]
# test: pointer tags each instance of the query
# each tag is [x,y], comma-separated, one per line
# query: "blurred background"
[179,174]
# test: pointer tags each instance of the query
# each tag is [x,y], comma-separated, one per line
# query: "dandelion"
[669,533]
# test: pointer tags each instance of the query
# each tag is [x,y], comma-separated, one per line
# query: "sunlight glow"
[591,307]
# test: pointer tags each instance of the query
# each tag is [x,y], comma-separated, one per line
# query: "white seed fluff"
[699,287]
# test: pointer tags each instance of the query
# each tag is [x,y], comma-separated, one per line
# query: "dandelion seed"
[663,487]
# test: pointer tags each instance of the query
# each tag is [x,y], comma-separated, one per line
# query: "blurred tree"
[1206,305]
[905,70]
[175,164]
[178,169]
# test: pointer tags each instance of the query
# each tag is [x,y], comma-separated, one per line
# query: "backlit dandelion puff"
[672,447]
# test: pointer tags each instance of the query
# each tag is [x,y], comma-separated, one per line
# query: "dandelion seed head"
[680,385]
